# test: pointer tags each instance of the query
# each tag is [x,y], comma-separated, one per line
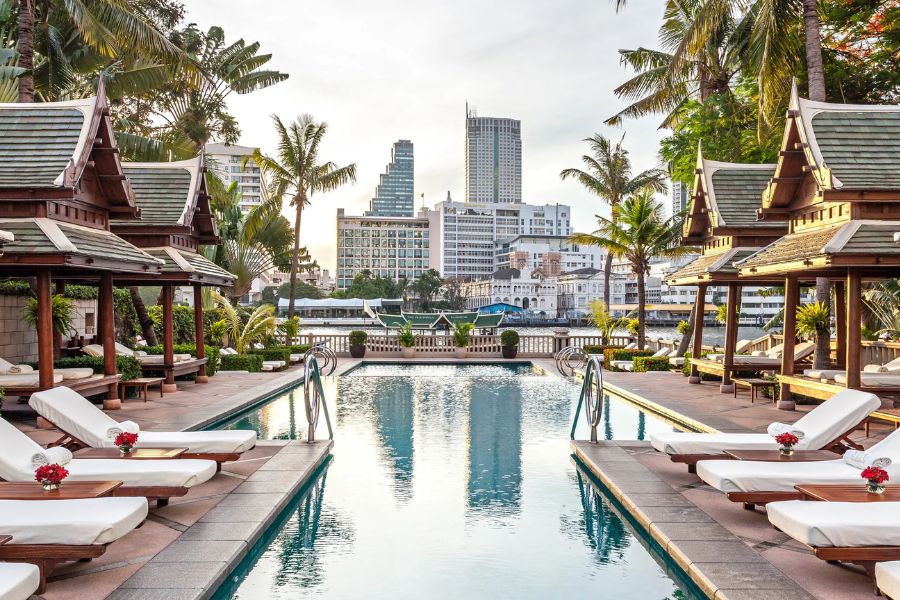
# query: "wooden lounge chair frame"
[86,387]
[47,556]
[838,446]
[184,367]
[159,493]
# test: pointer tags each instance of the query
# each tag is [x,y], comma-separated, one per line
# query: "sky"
[402,69]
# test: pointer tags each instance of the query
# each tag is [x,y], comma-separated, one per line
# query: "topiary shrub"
[509,337]
[358,338]
[241,362]
[642,364]
[611,354]
[282,353]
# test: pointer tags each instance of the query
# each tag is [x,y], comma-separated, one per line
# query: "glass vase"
[787,450]
[873,487]
[50,485]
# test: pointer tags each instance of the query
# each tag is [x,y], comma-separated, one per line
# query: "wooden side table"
[776,456]
[136,454]
[754,384]
[143,384]
[69,490]
[847,493]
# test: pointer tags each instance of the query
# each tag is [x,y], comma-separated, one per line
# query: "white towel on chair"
[19,369]
[51,456]
[776,429]
[862,459]
[129,426]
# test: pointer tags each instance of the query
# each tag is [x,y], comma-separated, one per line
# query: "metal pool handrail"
[591,396]
[569,359]
[314,398]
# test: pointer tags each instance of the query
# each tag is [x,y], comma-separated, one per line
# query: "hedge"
[597,348]
[282,353]
[642,364]
[242,362]
[212,354]
[299,348]
[611,354]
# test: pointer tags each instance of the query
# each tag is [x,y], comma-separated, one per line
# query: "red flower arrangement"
[875,475]
[50,476]
[126,441]
[787,439]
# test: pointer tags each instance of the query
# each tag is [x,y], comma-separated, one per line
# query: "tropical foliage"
[883,303]
[61,309]
[240,333]
[605,323]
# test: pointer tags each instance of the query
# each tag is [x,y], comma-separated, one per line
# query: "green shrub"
[282,353]
[462,334]
[129,368]
[405,337]
[242,362]
[611,354]
[642,364]
[15,287]
[299,348]
[213,355]
[358,338]
[686,369]
[683,327]
[597,348]
[182,318]
[509,338]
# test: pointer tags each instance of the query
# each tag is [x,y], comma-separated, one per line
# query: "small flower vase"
[126,449]
[50,485]
[873,487]
[787,450]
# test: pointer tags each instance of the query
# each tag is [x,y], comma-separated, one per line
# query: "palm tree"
[242,335]
[297,171]
[607,173]
[637,232]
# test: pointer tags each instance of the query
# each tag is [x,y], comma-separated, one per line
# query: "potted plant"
[407,341]
[875,478]
[358,343]
[787,441]
[126,441]
[461,335]
[50,476]
[509,340]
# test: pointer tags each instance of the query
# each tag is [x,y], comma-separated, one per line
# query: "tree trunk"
[822,358]
[689,335]
[606,273]
[299,200]
[815,70]
[143,316]
[26,50]
[642,307]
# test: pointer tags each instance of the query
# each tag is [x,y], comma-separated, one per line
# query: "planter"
[510,351]
[357,351]
[461,352]
[407,352]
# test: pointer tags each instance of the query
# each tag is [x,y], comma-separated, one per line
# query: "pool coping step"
[194,565]
[685,532]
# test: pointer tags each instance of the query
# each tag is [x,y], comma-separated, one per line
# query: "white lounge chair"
[856,532]
[739,347]
[628,365]
[772,357]
[26,380]
[152,479]
[140,355]
[19,581]
[887,578]
[823,427]
[876,375]
[86,426]
[49,532]
[754,482]
[19,373]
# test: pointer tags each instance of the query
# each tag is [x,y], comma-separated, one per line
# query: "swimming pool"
[451,482]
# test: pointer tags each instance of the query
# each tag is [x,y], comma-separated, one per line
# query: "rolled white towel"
[19,369]
[866,369]
[51,456]
[758,353]
[139,353]
[776,429]
[861,459]
[129,426]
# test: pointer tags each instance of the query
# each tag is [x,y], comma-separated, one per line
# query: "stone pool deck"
[185,550]
[729,552]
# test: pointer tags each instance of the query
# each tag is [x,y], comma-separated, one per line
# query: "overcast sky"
[381,71]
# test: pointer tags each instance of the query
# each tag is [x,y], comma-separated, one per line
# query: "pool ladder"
[314,398]
[591,396]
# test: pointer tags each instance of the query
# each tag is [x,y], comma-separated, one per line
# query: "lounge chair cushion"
[873,380]
[7,368]
[823,373]
[822,425]
[887,577]
[87,522]
[93,350]
[74,414]
[16,450]
[26,380]
[676,361]
[18,581]
[75,373]
[838,524]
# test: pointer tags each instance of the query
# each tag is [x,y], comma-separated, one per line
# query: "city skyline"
[532,61]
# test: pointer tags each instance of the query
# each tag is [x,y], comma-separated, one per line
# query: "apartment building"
[228,163]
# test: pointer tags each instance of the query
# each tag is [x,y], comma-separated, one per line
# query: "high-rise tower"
[493,159]
[394,194]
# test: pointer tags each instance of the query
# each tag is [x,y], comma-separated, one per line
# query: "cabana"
[442,320]
[722,221]
[60,183]
[176,220]
[837,188]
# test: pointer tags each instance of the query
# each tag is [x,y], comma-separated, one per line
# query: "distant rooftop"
[229,150]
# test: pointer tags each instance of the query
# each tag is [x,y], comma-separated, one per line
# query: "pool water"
[451,482]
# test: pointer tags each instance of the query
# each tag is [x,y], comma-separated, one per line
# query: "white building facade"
[510,286]
[553,255]
[228,164]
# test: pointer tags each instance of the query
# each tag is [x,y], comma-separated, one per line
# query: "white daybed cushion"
[838,524]
[661,353]
[277,364]
[742,345]
[676,361]
[296,358]
[752,361]
[72,373]
[619,364]
[873,379]
[18,581]
[93,350]
[887,578]
[74,414]
[630,346]
[821,425]
[16,450]
[92,521]
[26,380]
[823,373]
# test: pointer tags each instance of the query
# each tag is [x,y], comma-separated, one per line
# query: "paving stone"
[711,551]
[797,594]
[153,594]
[693,531]
[750,576]
[262,487]
[269,500]
[221,531]
[237,514]
[647,500]
[642,487]
[675,514]
[286,478]
[178,575]
[196,551]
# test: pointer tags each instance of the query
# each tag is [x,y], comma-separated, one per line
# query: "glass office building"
[394,194]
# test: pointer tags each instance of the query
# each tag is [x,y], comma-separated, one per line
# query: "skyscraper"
[681,197]
[228,163]
[394,194]
[493,159]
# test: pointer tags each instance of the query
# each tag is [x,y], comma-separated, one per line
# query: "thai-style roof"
[710,267]
[195,266]
[433,320]
[43,241]
[858,243]
[51,145]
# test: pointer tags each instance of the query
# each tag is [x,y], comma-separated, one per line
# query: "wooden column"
[199,337]
[44,329]
[106,306]
[168,339]
[854,324]
[731,328]
[791,302]
[840,322]
[699,306]
[57,336]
